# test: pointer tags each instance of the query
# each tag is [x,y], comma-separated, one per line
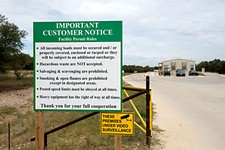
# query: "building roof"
[177,60]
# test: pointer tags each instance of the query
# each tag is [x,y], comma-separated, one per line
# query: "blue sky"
[153,30]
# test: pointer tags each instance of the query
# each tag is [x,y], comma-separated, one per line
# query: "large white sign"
[73,73]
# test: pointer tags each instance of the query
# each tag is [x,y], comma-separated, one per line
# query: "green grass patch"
[7,110]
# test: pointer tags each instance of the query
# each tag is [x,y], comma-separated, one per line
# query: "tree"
[215,65]
[10,42]
[19,63]
[203,64]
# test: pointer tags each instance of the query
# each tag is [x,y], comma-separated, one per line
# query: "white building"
[175,64]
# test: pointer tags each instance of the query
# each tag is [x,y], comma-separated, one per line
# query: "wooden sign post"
[39,129]
[118,142]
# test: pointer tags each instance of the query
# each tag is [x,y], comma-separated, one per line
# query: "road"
[191,110]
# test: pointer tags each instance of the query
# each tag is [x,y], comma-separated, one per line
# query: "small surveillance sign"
[117,123]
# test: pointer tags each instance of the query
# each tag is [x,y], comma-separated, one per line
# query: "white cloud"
[153,30]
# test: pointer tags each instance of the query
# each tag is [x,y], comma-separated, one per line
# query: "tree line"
[133,68]
[215,65]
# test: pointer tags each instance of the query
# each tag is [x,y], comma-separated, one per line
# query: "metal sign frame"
[78,66]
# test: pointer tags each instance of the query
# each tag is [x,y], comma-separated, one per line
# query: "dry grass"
[84,135]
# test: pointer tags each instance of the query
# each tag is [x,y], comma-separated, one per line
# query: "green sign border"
[116,28]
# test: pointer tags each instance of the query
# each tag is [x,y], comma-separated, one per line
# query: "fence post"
[45,141]
[151,113]
[147,112]
[9,135]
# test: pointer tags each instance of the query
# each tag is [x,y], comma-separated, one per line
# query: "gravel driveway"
[191,110]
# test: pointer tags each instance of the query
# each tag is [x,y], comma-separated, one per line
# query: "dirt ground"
[16,98]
